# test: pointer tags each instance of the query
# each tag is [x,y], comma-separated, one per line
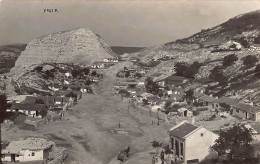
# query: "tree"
[93,73]
[150,86]
[38,68]
[71,94]
[216,74]
[257,40]
[250,60]
[86,71]
[156,145]
[145,101]
[189,96]
[160,94]
[257,70]
[75,73]
[39,101]
[3,106]
[127,73]
[225,106]
[243,42]
[124,93]
[167,106]
[229,60]
[186,70]
[234,144]
[138,75]
[49,74]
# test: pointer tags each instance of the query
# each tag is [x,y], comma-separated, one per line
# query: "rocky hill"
[244,26]
[73,46]
[209,47]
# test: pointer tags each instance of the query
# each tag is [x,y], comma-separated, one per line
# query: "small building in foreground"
[190,143]
[31,149]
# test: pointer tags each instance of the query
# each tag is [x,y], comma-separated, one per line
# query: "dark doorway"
[185,113]
[13,157]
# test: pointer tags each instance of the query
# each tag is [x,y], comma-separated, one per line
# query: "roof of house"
[153,98]
[256,127]
[29,143]
[175,78]
[48,100]
[182,109]
[61,92]
[247,108]
[146,94]
[183,129]
[228,100]
[30,107]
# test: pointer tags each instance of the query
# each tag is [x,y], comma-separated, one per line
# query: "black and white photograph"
[130,82]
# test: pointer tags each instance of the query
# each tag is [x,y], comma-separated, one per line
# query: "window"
[201,134]
[237,111]
[17,155]
[33,153]
[2,155]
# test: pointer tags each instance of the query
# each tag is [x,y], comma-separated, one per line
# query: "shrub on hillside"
[250,60]
[229,60]
[186,70]
[217,75]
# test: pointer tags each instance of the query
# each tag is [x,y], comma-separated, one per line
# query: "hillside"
[245,26]
[8,55]
[73,46]
[209,47]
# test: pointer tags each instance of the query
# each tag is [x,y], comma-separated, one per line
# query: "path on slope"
[96,116]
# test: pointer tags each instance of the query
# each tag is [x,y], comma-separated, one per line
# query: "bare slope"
[73,46]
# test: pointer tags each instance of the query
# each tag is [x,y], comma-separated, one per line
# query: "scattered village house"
[31,149]
[185,112]
[31,110]
[98,65]
[190,143]
[171,81]
[111,60]
[246,111]
[254,130]
[203,100]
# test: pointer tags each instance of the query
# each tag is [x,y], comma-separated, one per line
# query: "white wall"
[28,155]
[197,146]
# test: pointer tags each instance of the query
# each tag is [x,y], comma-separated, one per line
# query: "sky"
[120,23]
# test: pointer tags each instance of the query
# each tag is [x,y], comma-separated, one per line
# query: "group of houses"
[107,62]
[173,89]
[65,94]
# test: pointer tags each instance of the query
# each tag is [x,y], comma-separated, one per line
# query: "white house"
[68,74]
[185,112]
[31,149]
[190,143]
[114,60]
[255,131]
